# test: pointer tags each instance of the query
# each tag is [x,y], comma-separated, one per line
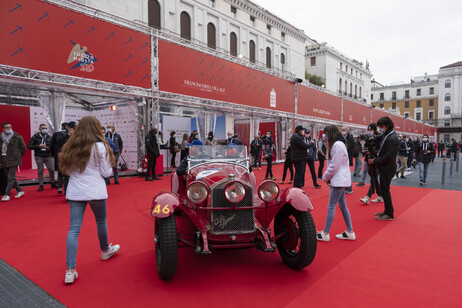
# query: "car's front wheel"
[166,247]
[298,244]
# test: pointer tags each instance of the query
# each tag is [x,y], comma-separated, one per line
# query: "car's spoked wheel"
[297,246]
[166,238]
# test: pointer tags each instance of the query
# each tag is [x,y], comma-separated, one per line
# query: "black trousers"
[172,162]
[151,167]
[385,176]
[269,167]
[321,166]
[440,151]
[375,187]
[3,181]
[256,160]
[288,165]
[299,178]
[310,163]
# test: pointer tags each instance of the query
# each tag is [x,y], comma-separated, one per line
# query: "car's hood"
[212,173]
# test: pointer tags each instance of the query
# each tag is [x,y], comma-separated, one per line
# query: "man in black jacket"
[269,151]
[454,149]
[311,151]
[119,146]
[322,151]
[57,142]
[255,150]
[350,148]
[40,143]
[386,163]
[423,156]
[152,151]
[403,152]
[299,155]
[440,148]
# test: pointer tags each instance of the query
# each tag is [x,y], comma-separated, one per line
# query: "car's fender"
[164,204]
[296,197]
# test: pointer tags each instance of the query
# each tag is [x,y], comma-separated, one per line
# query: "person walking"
[403,152]
[311,151]
[3,180]
[440,148]
[454,149]
[184,147]
[40,143]
[87,159]
[13,149]
[173,146]
[410,156]
[288,165]
[338,177]
[350,148]
[386,164]
[269,151]
[58,140]
[255,151]
[321,155]
[119,146]
[299,155]
[152,151]
[423,157]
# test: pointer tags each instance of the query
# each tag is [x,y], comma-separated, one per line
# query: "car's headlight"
[235,192]
[197,192]
[268,191]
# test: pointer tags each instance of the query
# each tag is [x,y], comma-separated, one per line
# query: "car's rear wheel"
[297,246]
[166,247]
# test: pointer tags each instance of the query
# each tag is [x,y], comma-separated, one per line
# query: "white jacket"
[338,168]
[90,184]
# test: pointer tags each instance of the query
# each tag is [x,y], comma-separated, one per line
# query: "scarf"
[6,140]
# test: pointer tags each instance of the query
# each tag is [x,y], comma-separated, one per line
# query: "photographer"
[371,146]
[386,164]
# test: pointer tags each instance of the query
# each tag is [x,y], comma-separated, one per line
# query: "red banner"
[377,113]
[189,72]
[44,37]
[398,122]
[408,126]
[356,113]
[319,104]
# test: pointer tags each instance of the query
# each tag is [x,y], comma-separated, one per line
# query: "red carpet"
[413,261]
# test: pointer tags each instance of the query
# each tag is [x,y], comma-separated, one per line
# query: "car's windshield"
[199,154]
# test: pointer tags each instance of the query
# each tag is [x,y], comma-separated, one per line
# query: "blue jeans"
[358,165]
[337,195]
[114,169]
[77,209]
[423,168]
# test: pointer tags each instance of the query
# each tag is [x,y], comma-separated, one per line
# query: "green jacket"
[14,153]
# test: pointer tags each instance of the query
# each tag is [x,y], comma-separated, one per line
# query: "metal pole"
[457,162]
[451,165]
[443,174]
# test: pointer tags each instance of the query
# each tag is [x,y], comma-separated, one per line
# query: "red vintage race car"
[220,197]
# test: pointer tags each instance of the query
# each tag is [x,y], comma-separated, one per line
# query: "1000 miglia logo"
[84,59]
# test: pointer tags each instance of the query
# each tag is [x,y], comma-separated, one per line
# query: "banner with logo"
[315,103]
[45,37]
[356,113]
[189,72]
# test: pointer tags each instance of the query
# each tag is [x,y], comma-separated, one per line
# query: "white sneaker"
[70,276]
[408,169]
[346,236]
[110,252]
[379,199]
[19,194]
[365,200]
[5,198]
[321,236]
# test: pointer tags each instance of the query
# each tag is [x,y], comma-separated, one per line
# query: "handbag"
[176,149]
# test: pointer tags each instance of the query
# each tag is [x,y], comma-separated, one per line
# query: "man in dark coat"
[454,149]
[13,149]
[58,140]
[255,151]
[423,156]
[152,151]
[311,157]
[40,143]
[288,165]
[322,151]
[299,155]
[350,148]
[118,148]
[440,148]
[386,164]
[269,151]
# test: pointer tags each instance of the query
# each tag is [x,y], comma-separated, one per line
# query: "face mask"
[324,137]
[174,136]
[267,136]
[424,139]
[44,131]
[109,130]
[382,130]
[229,136]
[344,134]
[8,131]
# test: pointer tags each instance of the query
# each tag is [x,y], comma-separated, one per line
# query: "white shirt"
[90,184]
[338,168]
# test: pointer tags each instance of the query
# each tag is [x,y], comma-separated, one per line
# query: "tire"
[297,247]
[166,247]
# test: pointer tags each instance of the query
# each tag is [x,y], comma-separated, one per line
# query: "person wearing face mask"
[119,145]
[311,156]
[57,142]
[13,149]
[152,151]
[410,156]
[350,148]
[269,151]
[233,139]
[403,151]
[173,147]
[321,154]
[40,143]
[423,157]
[210,139]
[255,150]
[386,164]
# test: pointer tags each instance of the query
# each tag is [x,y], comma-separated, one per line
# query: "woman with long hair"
[87,158]
[338,177]
[184,147]
[173,147]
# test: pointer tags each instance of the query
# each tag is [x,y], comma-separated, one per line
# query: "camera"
[371,146]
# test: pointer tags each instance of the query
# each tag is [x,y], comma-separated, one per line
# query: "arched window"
[447,83]
[447,110]
[185,26]
[340,85]
[283,61]
[356,90]
[233,44]
[211,36]
[154,14]
[447,97]
[268,57]
[360,93]
[252,51]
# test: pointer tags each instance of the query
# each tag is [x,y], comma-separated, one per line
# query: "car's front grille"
[231,221]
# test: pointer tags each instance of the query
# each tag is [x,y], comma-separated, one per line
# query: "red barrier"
[356,113]
[189,72]
[45,37]
[319,104]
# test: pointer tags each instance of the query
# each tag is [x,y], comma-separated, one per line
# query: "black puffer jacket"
[299,147]
[421,155]
[36,141]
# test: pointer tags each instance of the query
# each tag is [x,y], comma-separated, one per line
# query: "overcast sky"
[400,39]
